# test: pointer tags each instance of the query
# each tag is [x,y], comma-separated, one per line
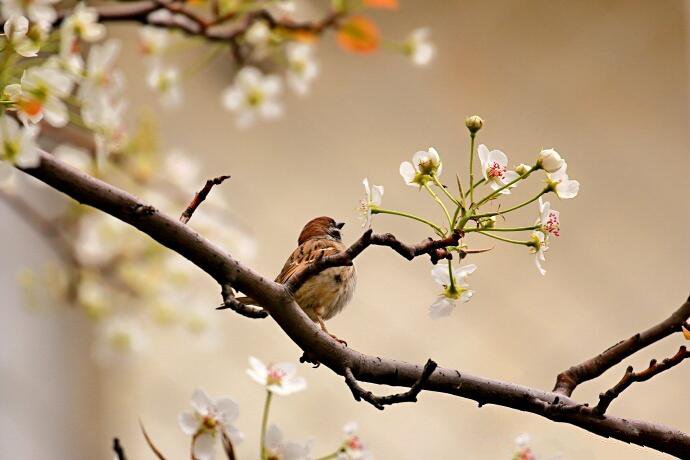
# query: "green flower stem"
[439,230]
[479,182]
[507,240]
[511,229]
[450,274]
[499,190]
[445,191]
[264,423]
[472,168]
[531,200]
[440,203]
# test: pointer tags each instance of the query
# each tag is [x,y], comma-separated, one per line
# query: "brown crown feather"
[318,227]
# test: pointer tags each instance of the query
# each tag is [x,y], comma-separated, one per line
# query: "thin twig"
[631,377]
[119,450]
[436,249]
[568,380]
[153,447]
[230,302]
[379,402]
[200,197]
[227,446]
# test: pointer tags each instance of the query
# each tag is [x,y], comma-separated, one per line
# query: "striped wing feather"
[306,253]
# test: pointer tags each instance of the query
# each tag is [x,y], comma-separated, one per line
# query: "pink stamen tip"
[496,171]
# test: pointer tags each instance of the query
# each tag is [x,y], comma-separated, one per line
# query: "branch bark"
[568,380]
[200,196]
[277,300]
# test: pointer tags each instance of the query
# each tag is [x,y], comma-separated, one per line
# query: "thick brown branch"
[435,249]
[631,377]
[200,196]
[118,450]
[568,380]
[309,337]
[379,402]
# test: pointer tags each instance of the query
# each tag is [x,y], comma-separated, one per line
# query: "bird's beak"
[340,224]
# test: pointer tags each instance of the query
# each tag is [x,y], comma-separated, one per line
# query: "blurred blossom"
[495,168]
[424,164]
[419,48]
[103,114]
[74,156]
[100,237]
[560,183]
[208,421]
[538,246]
[82,23]
[101,74]
[253,95]
[459,289]
[258,34]
[279,378]
[38,11]
[353,448]
[165,81]
[18,144]
[285,6]
[182,168]
[40,94]
[93,297]
[153,40]
[16,29]
[372,198]
[118,338]
[523,452]
[279,449]
[302,66]
[549,220]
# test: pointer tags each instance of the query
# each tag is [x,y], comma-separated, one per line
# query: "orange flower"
[358,35]
[382,4]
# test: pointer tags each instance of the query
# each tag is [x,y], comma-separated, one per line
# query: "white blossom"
[452,292]
[560,183]
[18,144]
[182,169]
[302,67]
[279,449]
[165,81]
[153,40]
[373,196]
[208,420]
[38,11]
[39,95]
[549,221]
[538,246]
[101,74]
[258,34]
[495,168]
[424,165]
[353,448]
[419,48]
[16,29]
[82,23]
[550,160]
[279,378]
[253,95]
[103,114]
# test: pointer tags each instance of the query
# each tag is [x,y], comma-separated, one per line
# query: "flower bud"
[522,169]
[550,161]
[488,222]
[474,123]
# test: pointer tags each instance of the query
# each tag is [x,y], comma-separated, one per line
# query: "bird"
[325,294]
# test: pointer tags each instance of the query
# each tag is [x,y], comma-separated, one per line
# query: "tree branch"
[631,377]
[568,380]
[379,402]
[435,248]
[119,450]
[229,301]
[291,318]
[200,196]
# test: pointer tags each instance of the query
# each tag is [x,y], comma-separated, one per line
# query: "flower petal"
[189,424]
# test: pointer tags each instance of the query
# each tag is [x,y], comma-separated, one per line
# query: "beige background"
[605,83]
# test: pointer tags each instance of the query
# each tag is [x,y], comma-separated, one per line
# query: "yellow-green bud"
[474,123]
[522,169]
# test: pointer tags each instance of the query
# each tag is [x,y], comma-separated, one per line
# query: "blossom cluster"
[211,422]
[466,211]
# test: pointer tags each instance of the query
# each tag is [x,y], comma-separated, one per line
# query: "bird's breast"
[327,293]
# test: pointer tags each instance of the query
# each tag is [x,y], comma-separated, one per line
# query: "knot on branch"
[379,402]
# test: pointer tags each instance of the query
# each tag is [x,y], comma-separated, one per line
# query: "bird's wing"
[305,254]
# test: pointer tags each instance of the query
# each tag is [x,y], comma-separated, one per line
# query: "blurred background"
[605,83]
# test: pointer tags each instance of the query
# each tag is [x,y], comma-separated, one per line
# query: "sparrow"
[325,294]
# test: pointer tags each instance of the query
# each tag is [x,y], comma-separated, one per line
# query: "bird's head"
[321,227]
